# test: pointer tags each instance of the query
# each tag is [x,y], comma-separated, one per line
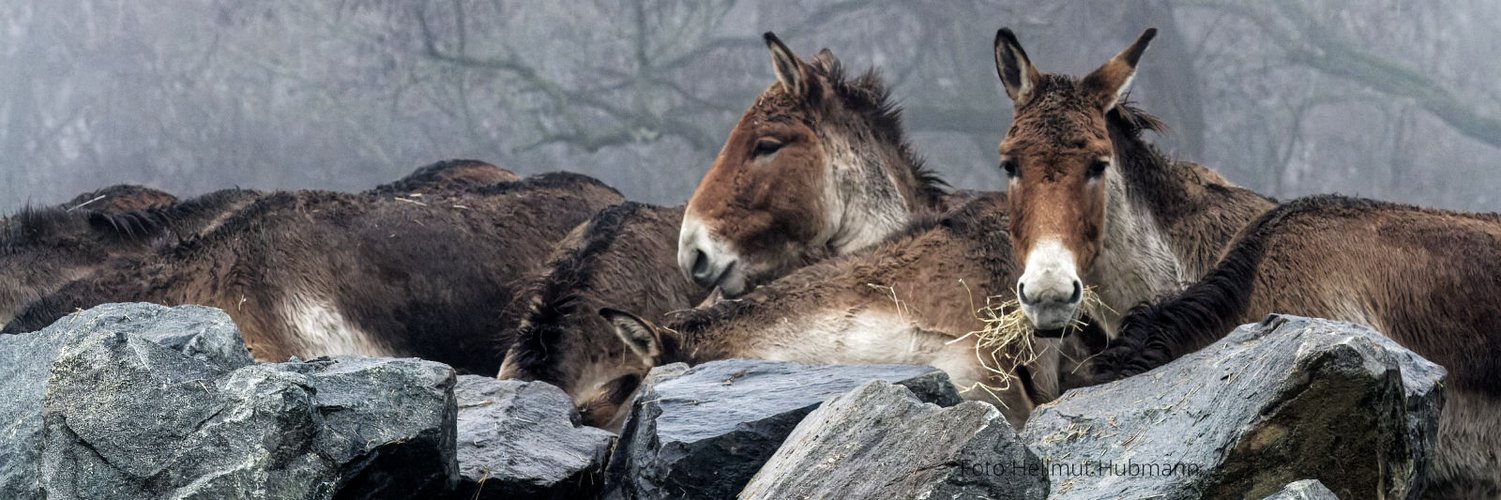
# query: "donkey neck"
[873,192]
[1136,262]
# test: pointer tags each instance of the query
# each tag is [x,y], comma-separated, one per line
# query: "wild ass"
[1083,198]
[622,257]
[43,249]
[1428,279]
[910,300]
[1095,205]
[818,166]
[317,273]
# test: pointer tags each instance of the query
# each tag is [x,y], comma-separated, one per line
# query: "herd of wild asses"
[817,236]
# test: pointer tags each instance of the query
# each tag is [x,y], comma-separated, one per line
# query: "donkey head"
[817,166]
[1062,171]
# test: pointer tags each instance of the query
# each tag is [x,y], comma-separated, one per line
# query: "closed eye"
[766,146]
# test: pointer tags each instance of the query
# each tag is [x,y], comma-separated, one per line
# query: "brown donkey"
[1095,205]
[622,257]
[901,302]
[818,166]
[1428,279]
[41,250]
[316,273]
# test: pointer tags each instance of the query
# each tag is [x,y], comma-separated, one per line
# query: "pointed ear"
[1109,84]
[825,61]
[791,71]
[639,335]
[1016,71]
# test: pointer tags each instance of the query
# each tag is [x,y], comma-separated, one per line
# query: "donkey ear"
[1110,82]
[825,61]
[790,70]
[638,334]
[1016,71]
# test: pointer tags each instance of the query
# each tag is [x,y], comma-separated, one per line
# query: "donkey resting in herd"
[316,273]
[859,306]
[1090,207]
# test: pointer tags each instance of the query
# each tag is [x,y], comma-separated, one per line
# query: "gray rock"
[705,431]
[145,401]
[521,440]
[205,334]
[1307,489]
[1286,399]
[881,442]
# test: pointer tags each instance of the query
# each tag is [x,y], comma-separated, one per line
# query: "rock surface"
[1307,489]
[1283,400]
[881,442]
[702,432]
[521,440]
[145,401]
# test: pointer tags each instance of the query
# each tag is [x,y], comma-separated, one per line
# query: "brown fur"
[622,257]
[923,268]
[427,280]
[773,206]
[450,176]
[43,249]
[1428,279]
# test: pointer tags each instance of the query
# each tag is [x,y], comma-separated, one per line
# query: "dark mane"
[554,294]
[426,176]
[1153,334]
[1131,120]
[550,180]
[869,96]
[34,225]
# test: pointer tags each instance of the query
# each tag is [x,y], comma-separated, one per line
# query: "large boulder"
[145,401]
[881,442]
[203,334]
[522,440]
[702,432]
[1287,399]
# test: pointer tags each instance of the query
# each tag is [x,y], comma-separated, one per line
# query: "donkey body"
[41,250]
[1086,204]
[120,198]
[446,177]
[910,300]
[317,273]
[1428,279]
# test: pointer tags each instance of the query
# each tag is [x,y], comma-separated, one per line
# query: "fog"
[1386,99]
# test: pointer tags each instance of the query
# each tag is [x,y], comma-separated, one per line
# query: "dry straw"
[1005,341]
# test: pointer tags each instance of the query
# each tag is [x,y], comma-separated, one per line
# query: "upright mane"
[869,96]
[555,292]
[34,225]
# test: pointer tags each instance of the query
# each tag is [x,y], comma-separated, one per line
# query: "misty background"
[1390,99]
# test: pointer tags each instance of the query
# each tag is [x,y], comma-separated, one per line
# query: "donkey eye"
[765,146]
[1010,167]
[1097,168]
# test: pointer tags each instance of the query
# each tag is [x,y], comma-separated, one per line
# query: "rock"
[1286,399]
[145,401]
[705,431]
[202,333]
[1307,489]
[522,440]
[881,442]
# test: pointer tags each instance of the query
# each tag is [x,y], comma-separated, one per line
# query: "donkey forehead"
[1056,131]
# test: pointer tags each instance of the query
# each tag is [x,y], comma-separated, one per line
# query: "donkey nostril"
[700,264]
[1078,293]
[1021,293]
